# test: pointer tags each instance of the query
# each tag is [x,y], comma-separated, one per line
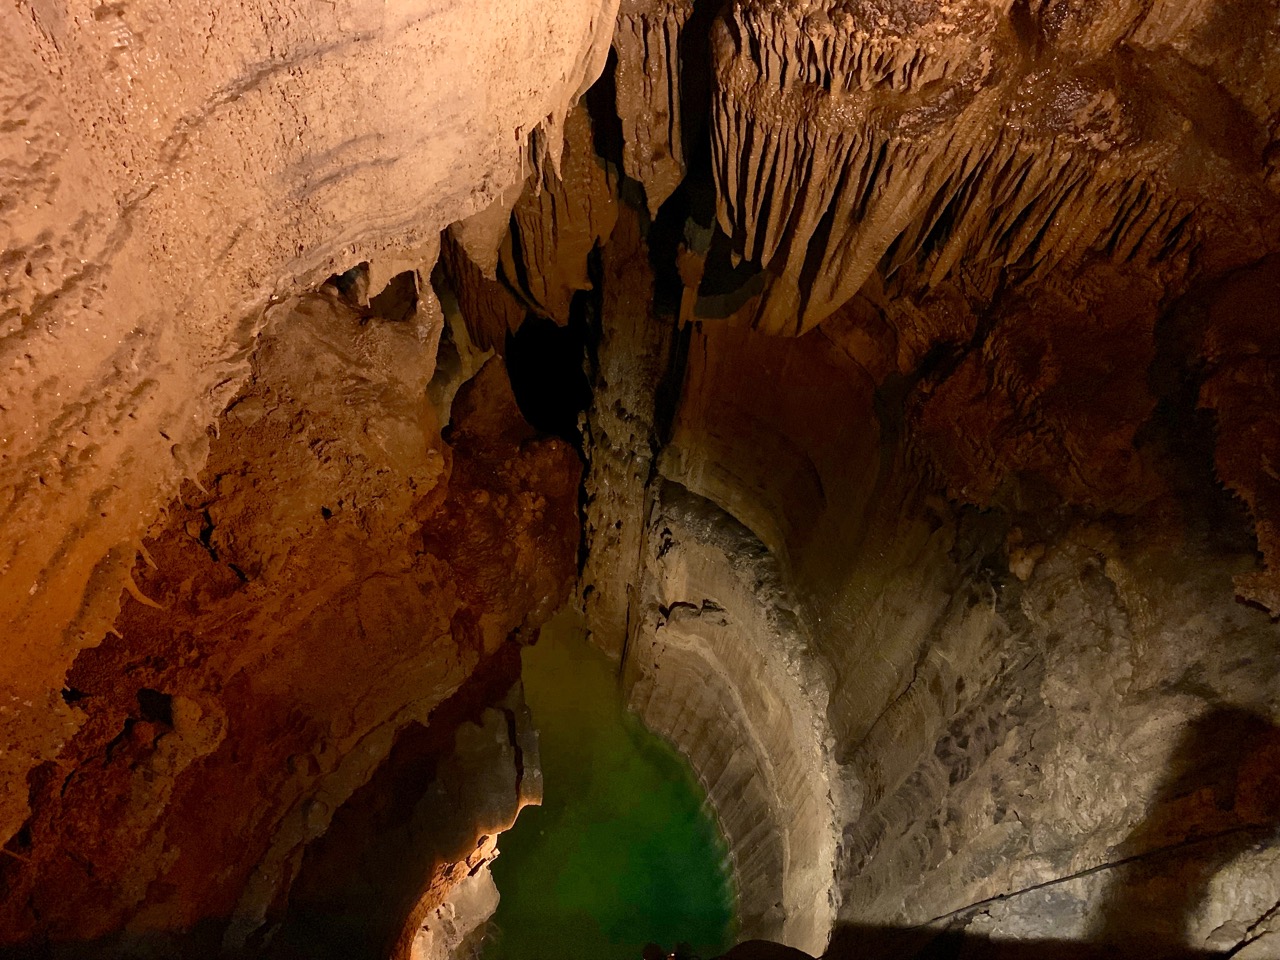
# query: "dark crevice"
[155,707]
[602,100]
[518,284]
[695,60]
[727,286]
[353,284]
[546,365]
[399,301]
[513,736]
[1183,435]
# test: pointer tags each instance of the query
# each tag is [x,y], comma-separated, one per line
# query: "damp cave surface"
[624,849]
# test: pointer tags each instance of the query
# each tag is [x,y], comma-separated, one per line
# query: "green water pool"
[623,850]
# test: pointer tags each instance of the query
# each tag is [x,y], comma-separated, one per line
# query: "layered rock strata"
[718,665]
[1026,715]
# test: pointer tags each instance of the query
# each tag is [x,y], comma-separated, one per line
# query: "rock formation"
[926,486]
[334,574]
[171,170]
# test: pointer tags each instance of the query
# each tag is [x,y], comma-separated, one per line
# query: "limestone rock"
[718,665]
[563,213]
[171,168]
[988,141]
[621,433]
[930,499]
[648,94]
[335,573]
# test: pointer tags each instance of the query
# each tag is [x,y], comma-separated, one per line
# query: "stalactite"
[909,151]
[648,94]
[563,213]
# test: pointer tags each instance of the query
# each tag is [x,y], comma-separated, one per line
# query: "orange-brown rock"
[648,93]
[488,308]
[335,572]
[169,169]
[1050,401]
[565,211]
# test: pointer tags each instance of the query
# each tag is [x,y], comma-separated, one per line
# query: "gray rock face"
[1094,764]
[718,665]
[1088,753]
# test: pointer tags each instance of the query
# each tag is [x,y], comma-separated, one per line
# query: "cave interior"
[887,390]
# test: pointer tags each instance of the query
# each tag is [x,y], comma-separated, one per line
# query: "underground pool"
[624,850]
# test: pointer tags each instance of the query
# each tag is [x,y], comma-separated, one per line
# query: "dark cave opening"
[399,301]
[546,364]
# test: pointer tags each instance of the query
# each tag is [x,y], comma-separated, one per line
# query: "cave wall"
[336,573]
[929,498]
[719,665]
[1099,756]
[172,169]
[931,138]
[238,554]
[1014,724]
[987,500]
[403,870]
